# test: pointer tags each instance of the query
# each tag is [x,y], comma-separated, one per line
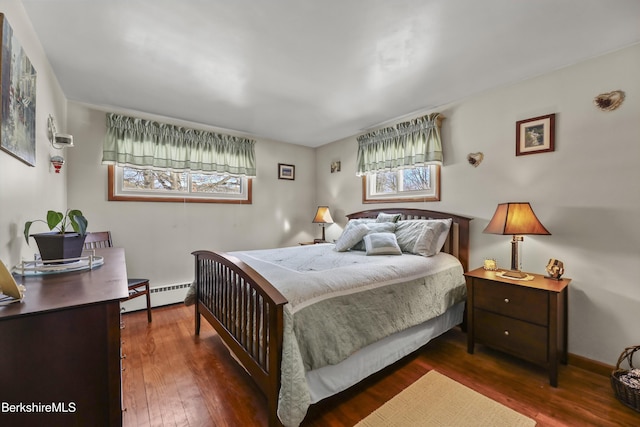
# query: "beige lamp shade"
[515,219]
[323,216]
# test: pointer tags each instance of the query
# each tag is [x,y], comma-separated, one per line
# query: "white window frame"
[432,194]
[116,192]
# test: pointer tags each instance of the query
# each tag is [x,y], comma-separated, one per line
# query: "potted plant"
[62,243]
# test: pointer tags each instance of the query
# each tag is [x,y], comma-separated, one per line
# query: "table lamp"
[516,219]
[323,217]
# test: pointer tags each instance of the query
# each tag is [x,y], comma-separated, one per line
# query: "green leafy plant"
[57,220]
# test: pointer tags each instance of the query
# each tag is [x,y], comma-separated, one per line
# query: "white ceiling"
[311,72]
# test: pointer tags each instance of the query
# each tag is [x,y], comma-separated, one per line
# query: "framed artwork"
[536,135]
[286,171]
[335,167]
[18,97]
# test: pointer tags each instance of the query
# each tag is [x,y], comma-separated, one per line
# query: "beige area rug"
[436,400]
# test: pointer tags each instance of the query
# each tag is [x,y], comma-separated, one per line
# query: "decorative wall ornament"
[475,159]
[57,162]
[58,140]
[609,101]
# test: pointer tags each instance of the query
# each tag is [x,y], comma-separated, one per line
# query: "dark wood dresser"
[526,318]
[60,356]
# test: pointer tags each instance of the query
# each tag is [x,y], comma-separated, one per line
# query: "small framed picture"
[335,167]
[536,135]
[286,171]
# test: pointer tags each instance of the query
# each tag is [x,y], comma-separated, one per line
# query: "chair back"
[98,240]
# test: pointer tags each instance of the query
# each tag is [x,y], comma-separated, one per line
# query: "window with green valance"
[149,144]
[405,145]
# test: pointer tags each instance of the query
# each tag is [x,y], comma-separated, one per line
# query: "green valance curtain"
[145,143]
[405,145]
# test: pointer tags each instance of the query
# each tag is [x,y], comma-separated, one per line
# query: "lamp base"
[514,274]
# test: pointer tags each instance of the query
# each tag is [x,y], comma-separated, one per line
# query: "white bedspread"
[311,273]
[330,316]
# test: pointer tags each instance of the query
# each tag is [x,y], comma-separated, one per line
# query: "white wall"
[26,193]
[159,237]
[585,192]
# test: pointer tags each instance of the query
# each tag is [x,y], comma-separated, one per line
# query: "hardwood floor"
[173,378]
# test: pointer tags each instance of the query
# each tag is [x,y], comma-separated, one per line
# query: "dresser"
[60,354]
[525,318]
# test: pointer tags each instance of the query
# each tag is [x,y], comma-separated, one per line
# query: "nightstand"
[525,318]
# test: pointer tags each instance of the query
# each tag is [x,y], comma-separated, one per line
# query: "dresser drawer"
[517,337]
[529,304]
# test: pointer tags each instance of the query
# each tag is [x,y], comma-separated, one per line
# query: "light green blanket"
[342,302]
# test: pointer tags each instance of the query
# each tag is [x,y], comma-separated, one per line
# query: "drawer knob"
[506,333]
[506,300]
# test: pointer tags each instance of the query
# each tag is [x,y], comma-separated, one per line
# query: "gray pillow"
[376,227]
[352,234]
[381,244]
[385,217]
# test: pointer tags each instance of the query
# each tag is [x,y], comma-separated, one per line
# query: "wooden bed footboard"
[246,311]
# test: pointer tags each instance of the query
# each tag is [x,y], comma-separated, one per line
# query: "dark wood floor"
[173,378]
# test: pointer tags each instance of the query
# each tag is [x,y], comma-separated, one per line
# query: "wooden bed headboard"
[457,243]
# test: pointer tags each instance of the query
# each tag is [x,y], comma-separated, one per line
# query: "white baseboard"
[160,295]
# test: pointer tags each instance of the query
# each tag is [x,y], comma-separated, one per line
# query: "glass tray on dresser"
[39,267]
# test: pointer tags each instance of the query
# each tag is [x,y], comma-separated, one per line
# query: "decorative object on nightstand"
[323,217]
[490,264]
[555,269]
[515,219]
[525,318]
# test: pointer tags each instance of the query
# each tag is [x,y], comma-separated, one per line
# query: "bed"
[288,344]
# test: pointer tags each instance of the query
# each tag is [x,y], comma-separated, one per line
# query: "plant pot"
[57,246]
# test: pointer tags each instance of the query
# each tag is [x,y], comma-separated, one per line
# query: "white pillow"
[352,234]
[422,236]
[426,243]
[381,244]
[442,227]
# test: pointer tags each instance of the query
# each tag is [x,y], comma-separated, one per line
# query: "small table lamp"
[515,219]
[323,217]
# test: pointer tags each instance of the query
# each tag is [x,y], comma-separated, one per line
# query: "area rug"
[436,400]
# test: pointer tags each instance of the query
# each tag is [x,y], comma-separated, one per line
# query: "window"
[404,185]
[128,183]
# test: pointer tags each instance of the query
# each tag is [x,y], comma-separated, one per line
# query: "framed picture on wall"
[536,135]
[286,171]
[18,97]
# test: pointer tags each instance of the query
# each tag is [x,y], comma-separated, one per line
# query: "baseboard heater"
[160,295]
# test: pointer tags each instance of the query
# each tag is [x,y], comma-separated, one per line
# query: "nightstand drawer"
[519,338]
[531,305]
